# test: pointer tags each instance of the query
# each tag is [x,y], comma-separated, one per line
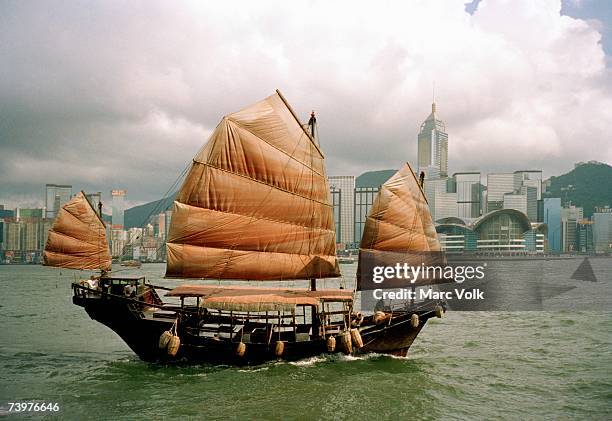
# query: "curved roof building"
[500,230]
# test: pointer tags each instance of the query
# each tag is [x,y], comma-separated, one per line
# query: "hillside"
[139,215]
[587,185]
[373,178]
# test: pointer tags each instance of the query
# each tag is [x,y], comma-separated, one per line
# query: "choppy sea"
[467,365]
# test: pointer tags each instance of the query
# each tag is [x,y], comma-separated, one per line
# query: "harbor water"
[467,365]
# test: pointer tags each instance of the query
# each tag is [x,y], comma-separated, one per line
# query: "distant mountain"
[138,216]
[586,186]
[374,178]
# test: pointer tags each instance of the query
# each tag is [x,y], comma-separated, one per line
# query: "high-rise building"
[530,178]
[602,230]
[445,205]
[336,195]
[56,196]
[569,227]
[13,236]
[552,218]
[468,188]
[584,236]
[433,147]
[531,198]
[364,199]
[118,206]
[346,185]
[498,184]
[516,201]
[435,191]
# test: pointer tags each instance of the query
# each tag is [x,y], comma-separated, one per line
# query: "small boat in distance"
[131,263]
[347,259]
[254,208]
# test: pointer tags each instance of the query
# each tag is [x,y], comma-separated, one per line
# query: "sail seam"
[260,182]
[256,251]
[311,228]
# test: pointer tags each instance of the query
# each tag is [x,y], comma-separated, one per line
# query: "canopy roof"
[245,298]
[77,239]
[255,204]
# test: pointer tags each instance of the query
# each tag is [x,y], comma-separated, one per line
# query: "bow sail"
[399,227]
[77,239]
[255,204]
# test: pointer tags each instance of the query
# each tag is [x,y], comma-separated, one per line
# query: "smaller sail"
[77,239]
[399,228]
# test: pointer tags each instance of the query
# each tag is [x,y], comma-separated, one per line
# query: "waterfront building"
[584,236]
[346,185]
[118,207]
[569,221]
[432,145]
[364,199]
[13,235]
[118,242]
[56,196]
[602,230]
[500,231]
[552,218]
[469,191]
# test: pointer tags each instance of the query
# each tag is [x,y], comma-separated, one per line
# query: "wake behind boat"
[254,207]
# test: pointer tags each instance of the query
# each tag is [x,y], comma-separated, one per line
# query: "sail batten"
[255,204]
[77,239]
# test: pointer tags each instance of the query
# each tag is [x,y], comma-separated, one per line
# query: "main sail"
[77,239]
[255,204]
[399,226]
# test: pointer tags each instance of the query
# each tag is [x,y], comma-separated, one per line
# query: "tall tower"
[118,206]
[433,147]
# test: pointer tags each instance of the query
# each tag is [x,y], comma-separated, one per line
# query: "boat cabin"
[260,315]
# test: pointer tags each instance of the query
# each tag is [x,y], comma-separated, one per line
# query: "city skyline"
[87,100]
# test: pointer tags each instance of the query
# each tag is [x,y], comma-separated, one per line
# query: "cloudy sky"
[114,94]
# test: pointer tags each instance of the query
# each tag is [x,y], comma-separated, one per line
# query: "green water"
[536,365]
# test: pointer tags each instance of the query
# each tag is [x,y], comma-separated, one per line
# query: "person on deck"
[130,290]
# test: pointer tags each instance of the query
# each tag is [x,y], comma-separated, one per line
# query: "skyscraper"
[346,185]
[602,229]
[433,147]
[118,208]
[56,196]
[468,188]
[552,218]
[497,186]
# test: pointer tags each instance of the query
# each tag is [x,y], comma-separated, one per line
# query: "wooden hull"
[142,335]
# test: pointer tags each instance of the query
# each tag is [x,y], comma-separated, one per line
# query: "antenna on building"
[433,97]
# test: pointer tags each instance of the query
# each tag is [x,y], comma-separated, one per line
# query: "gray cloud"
[123,94]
